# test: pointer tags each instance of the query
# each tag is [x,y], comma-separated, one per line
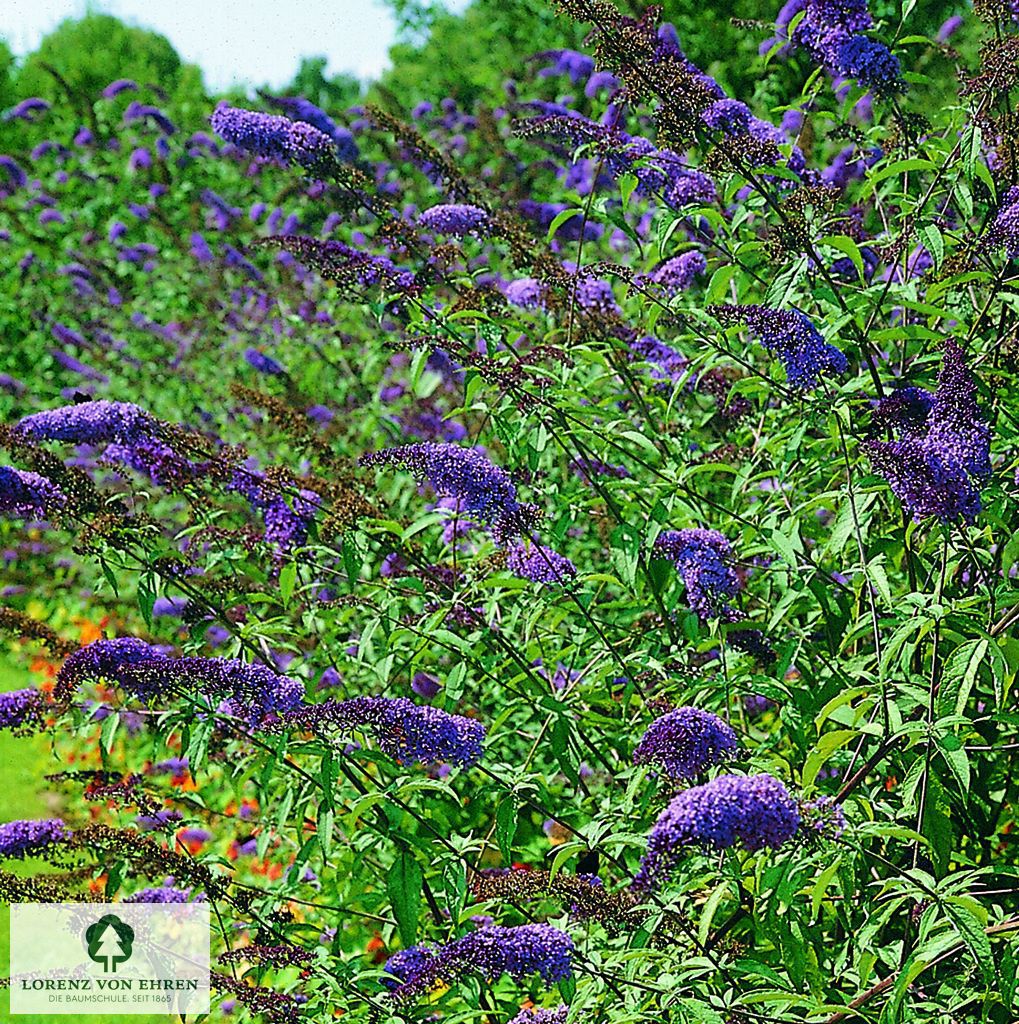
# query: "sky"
[234,41]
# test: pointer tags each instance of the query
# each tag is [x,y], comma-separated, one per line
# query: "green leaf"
[404,883]
[324,828]
[108,732]
[960,673]
[627,183]
[288,577]
[934,241]
[560,219]
[506,827]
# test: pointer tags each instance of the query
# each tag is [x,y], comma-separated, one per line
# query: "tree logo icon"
[109,942]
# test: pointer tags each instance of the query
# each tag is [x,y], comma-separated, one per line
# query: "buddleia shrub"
[544,563]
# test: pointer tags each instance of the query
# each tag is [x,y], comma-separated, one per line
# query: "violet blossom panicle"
[21,709]
[522,952]
[405,731]
[703,560]
[479,486]
[789,334]
[754,810]
[146,673]
[454,219]
[270,135]
[685,742]
[539,563]
[540,1015]
[24,494]
[938,469]
[90,423]
[23,838]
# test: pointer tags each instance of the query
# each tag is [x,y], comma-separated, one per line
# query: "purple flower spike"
[21,839]
[270,135]
[90,423]
[20,708]
[456,219]
[702,559]
[938,465]
[685,742]
[24,494]
[756,811]
[406,731]
[539,563]
[521,952]
[464,474]
[792,337]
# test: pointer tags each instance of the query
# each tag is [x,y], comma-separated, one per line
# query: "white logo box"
[130,958]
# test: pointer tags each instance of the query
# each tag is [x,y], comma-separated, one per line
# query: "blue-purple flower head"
[525,292]
[300,109]
[407,732]
[90,423]
[21,709]
[24,494]
[678,273]
[541,1015]
[1005,229]
[703,559]
[871,63]
[146,673]
[791,336]
[686,742]
[164,894]
[25,838]
[522,952]
[539,563]
[730,117]
[755,811]
[464,474]
[274,136]
[455,219]
[938,466]
[263,363]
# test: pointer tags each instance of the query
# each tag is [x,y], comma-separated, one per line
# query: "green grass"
[24,761]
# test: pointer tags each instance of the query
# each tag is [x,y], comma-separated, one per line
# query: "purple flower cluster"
[91,423]
[685,742]
[21,839]
[24,494]
[301,109]
[456,219]
[163,894]
[525,292]
[338,261]
[667,365]
[677,274]
[1005,229]
[463,474]
[755,810]
[596,295]
[539,563]
[539,1015]
[263,363]
[832,31]
[20,708]
[146,673]
[804,353]
[521,952]
[938,465]
[702,559]
[270,135]
[405,731]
